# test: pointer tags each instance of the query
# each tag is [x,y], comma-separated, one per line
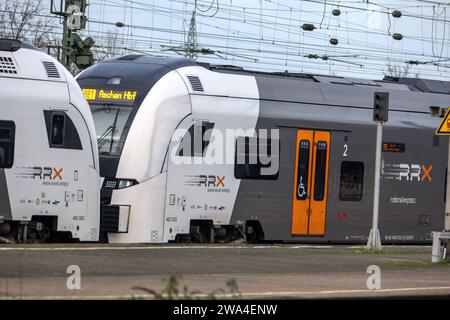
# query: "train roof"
[394,83]
[21,60]
[135,71]
[22,66]
[13,45]
[141,71]
[406,94]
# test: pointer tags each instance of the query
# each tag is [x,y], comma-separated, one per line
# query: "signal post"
[438,237]
[380,115]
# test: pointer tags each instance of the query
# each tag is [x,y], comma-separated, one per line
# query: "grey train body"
[346,112]
[413,158]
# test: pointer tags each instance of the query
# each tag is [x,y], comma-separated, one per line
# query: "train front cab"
[136,102]
[49,183]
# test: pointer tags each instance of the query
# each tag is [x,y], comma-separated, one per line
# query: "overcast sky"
[267,35]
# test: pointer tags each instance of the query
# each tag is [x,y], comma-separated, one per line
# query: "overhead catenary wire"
[289,41]
[132,26]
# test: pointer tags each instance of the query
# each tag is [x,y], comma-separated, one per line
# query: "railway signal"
[380,106]
[80,51]
[380,115]
[74,49]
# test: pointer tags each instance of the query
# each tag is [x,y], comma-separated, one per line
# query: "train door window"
[320,171]
[247,158]
[61,131]
[352,181]
[303,169]
[196,140]
[57,130]
[7,139]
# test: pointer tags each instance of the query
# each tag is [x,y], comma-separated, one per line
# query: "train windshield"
[109,123]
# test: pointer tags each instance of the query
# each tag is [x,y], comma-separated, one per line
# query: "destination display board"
[109,96]
[393,147]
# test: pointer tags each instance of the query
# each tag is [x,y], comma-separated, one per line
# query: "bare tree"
[397,71]
[111,46]
[26,20]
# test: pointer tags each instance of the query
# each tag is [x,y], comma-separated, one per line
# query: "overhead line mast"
[192,43]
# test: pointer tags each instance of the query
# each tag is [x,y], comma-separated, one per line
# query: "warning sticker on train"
[444,127]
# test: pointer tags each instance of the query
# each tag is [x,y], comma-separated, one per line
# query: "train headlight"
[112,183]
[122,183]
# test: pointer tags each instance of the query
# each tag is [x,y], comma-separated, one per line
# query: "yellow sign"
[90,94]
[444,126]
[108,96]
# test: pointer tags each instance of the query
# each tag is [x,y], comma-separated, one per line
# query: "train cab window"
[61,131]
[303,169]
[111,126]
[57,130]
[196,140]
[352,178]
[320,172]
[248,162]
[7,139]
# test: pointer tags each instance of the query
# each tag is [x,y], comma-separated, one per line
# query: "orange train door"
[310,183]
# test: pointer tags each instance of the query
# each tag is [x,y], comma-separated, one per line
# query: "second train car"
[318,180]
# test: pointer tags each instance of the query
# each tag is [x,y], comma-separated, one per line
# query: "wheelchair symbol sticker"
[301,188]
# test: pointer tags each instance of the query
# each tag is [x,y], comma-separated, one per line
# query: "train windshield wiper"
[102,140]
[114,117]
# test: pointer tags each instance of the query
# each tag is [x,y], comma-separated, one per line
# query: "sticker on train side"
[48,175]
[414,172]
[212,183]
[444,127]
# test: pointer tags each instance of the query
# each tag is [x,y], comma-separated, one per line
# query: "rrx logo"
[205,180]
[407,172]
[46,173]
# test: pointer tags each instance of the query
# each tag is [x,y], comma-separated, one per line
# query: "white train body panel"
[143,158]
[147,212]
[212,202]
[48,181]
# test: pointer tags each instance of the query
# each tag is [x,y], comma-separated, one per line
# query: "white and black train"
[315,182]
[49,177]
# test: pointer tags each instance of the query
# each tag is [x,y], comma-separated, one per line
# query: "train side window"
[303,169]
[320,172]
[196,140]
[352,181]
[61,131]
[247,163]
[7,139]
